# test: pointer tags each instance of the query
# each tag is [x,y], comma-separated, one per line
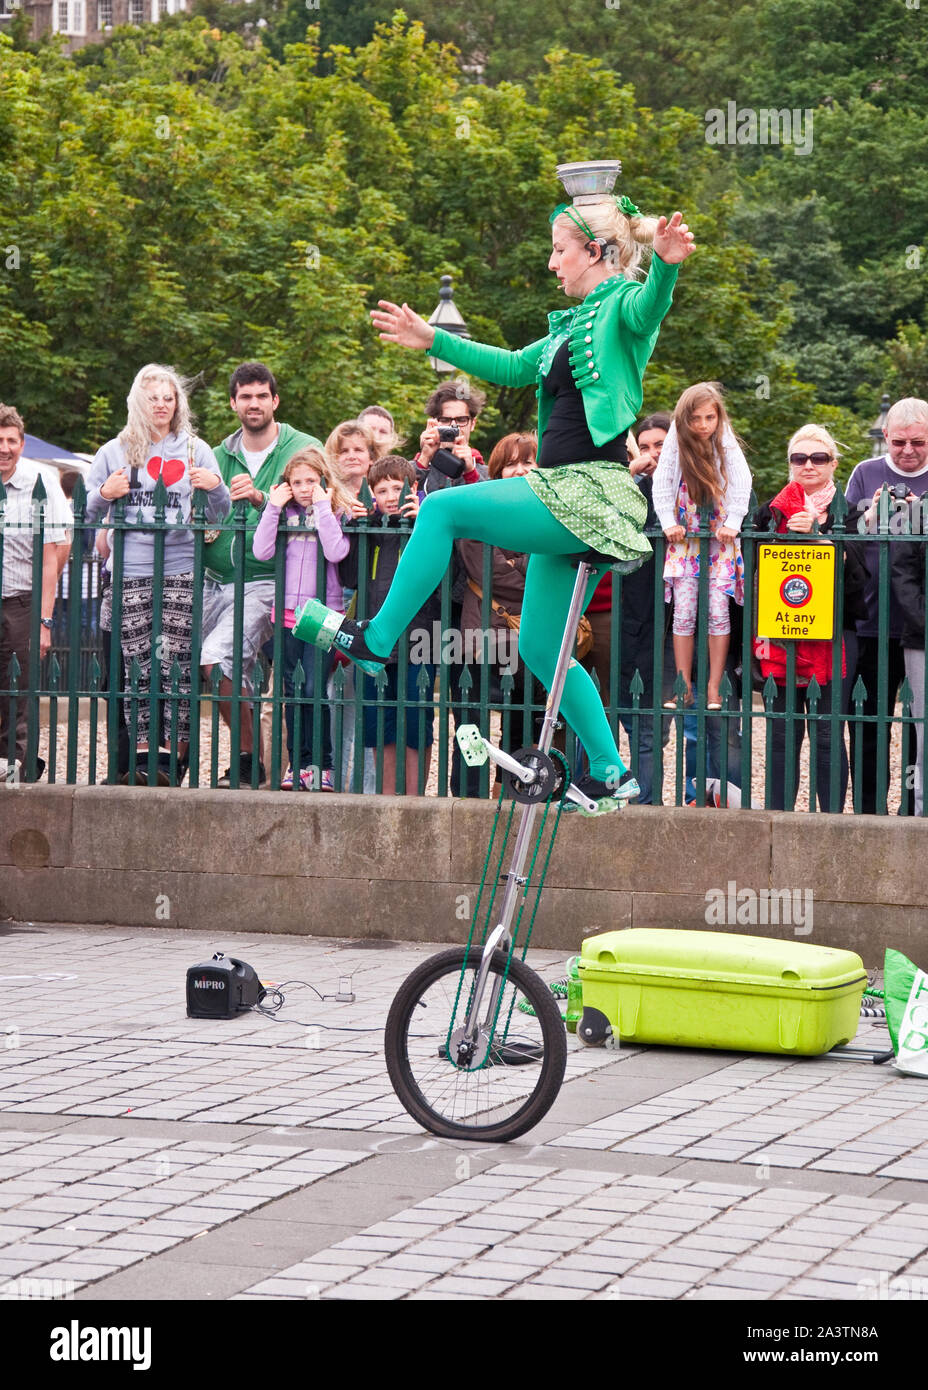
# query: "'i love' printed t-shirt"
[168,460]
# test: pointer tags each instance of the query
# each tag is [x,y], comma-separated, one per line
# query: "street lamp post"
[876,430]
[446,316]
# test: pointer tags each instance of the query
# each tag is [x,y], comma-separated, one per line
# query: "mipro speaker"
[221,988]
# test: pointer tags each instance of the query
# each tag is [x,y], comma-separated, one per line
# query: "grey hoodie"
[168,458]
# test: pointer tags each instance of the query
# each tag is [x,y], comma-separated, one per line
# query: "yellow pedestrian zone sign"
[796,590]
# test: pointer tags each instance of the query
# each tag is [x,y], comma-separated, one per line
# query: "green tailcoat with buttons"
[611,337]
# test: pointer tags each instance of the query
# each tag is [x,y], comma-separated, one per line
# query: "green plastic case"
[720,990]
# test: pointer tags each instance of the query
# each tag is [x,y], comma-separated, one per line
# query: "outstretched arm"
[399,324]
[642,307]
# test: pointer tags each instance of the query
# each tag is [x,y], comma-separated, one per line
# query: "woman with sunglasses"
[808,498]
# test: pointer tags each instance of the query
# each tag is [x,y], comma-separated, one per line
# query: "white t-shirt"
[255,457]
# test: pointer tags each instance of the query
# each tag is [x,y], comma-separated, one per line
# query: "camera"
[899,491]
[447,433]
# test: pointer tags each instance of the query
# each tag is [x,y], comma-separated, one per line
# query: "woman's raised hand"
[673,240]
[399,324]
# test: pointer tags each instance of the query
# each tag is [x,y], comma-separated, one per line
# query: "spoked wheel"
[495,1088]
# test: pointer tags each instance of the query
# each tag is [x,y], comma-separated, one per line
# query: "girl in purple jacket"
[309,515]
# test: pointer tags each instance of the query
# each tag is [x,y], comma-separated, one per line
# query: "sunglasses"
[797,460]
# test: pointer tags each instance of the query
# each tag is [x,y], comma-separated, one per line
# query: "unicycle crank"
[539,778]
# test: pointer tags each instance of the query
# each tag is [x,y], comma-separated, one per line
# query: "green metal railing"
[730,744]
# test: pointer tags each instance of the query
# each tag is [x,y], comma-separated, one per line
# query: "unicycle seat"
[592,557]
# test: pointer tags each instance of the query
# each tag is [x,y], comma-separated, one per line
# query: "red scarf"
[812,658]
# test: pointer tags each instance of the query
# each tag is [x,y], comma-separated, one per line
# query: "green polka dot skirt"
[601,504]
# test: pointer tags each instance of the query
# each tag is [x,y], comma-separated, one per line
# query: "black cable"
[275,992]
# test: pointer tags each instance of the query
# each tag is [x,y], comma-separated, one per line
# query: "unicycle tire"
[522,1076]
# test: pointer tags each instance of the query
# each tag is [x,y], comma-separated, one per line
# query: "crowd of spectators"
[341,509]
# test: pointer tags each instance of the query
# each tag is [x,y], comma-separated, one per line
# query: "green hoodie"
[219,556]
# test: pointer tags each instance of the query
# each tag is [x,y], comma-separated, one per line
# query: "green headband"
[574,216]
[623,204]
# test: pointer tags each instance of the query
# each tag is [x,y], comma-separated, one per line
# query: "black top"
[567,438]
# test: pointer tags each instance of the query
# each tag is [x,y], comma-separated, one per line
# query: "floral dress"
[726,565]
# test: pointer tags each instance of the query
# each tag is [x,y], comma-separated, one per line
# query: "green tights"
[506,513]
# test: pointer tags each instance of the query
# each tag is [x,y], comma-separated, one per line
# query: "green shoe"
[326,628]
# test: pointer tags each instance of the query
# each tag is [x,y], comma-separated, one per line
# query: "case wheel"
[594,1028]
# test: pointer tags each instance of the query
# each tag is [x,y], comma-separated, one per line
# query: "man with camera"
[445,456]
[903,471]
[446,459]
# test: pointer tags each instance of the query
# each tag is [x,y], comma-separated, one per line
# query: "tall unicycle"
[475,1044]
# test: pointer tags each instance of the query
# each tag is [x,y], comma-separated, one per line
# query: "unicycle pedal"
[472,745]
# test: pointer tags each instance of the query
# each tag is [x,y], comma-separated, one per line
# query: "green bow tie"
[559,319]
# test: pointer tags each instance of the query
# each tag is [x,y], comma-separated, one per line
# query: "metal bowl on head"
[590,177]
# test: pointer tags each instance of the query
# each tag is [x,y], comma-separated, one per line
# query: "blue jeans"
[713,751]
[296,652]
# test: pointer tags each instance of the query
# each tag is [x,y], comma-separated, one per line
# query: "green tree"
[186,197]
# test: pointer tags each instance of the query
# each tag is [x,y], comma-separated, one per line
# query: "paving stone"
[632,1285]
[691,1256]
[749,1279]
[432,1264]
[480,1288]
[556,1293]
[564,1278]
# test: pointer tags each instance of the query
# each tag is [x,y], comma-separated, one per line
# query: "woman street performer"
[588,373]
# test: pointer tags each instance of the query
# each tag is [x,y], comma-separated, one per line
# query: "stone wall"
[407,868]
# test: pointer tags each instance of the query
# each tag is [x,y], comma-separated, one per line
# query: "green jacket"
[219,555]
[611,336]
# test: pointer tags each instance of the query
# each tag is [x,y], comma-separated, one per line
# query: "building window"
[136,11]
[70,16]
[104,14]
[162,8]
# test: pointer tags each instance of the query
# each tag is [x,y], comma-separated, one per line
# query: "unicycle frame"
[474,1039]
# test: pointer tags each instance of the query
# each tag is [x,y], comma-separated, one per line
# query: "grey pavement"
[145,1155]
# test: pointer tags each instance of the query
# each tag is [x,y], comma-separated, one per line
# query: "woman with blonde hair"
[588,373]
[157,444]
[807,499]
[350,450]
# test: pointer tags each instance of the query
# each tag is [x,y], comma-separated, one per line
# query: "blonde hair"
[816,432]
[622,237]
[136,437]
[314,458]
[344,431]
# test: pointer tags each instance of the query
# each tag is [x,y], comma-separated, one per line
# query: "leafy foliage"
[237,185]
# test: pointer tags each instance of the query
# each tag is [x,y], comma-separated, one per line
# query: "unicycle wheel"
[497,1089]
